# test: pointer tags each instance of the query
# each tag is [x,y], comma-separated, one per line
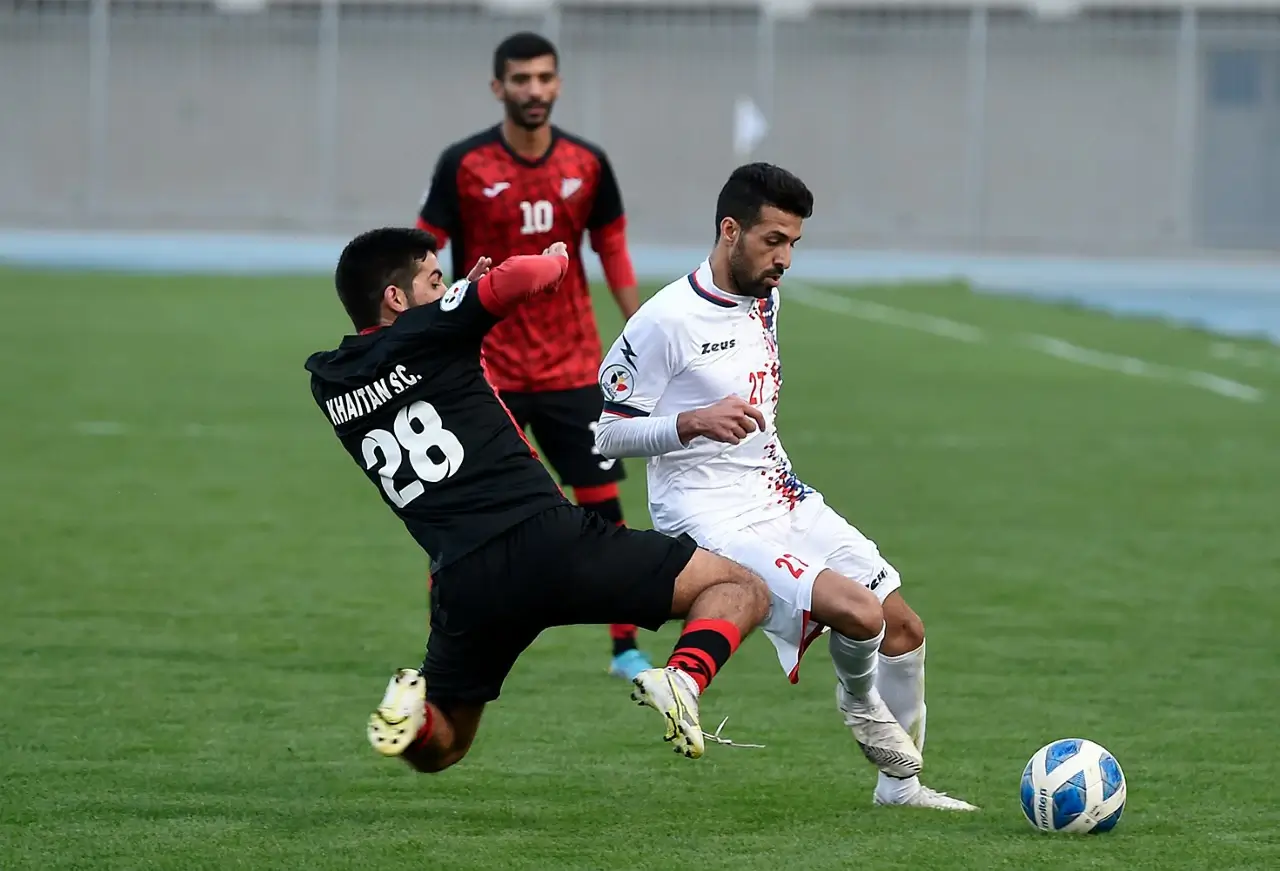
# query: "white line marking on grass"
[1253,358]
[1060,348]
[1065,350]
[884,314]
[1223,351]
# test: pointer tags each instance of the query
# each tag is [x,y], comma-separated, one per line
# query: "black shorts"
[564,423]
[561,567]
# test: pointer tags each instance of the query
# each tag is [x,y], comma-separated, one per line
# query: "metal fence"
[1138,132]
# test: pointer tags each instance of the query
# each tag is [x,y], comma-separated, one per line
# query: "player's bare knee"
[754,590]
[861,617]
[904,630]
[847,606]
[751,588]
[706,570]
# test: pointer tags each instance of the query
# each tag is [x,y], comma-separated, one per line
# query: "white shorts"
[789,552]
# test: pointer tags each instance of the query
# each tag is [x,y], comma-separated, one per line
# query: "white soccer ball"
[1073,785]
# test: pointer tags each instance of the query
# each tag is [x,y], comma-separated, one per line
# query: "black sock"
[624,638]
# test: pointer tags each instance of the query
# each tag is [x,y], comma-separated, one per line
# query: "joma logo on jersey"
[712,347]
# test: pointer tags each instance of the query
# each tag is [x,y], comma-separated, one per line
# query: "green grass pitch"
[203,599]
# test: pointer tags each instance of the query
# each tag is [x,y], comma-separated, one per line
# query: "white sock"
[855,662]
[900,680]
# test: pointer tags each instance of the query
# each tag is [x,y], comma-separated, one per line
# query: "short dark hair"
[372,262]
[753,186]
[525,45]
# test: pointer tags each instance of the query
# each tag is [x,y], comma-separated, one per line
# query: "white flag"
[749,126]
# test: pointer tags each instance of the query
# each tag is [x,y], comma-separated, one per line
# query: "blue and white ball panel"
[1073,785]
[1113,785]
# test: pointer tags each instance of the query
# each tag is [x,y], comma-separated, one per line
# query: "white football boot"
[672,693]
[883,740]
[929,798]
[399,717]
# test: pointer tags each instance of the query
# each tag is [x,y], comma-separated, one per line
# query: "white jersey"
[688,347]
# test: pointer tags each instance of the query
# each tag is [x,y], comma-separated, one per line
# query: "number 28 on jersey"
[434,453]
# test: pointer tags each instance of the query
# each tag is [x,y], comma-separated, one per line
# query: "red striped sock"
[704,648]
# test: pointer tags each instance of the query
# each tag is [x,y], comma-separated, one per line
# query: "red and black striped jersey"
[488,201]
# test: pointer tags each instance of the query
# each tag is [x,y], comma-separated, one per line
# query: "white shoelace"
[716,737]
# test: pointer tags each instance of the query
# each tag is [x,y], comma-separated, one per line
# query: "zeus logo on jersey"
[617,382]
[712,347]
[363,400]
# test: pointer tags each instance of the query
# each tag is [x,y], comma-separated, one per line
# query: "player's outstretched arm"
[504,287]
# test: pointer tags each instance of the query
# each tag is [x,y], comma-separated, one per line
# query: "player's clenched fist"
[557,248]
[730,421]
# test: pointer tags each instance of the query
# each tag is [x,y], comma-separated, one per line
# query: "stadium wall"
[948,125]
[1019,146]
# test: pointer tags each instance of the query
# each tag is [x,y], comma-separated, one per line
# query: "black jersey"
[411,404]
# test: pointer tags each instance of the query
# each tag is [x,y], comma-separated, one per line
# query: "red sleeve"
[516,279]
[610,242]
[442,238]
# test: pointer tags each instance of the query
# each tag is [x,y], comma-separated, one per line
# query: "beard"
[518,112]
[747,282]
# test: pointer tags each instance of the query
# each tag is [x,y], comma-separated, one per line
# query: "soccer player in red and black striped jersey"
[515,189]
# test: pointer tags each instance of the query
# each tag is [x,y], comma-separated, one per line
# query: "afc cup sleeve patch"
[453,296]
[617,382]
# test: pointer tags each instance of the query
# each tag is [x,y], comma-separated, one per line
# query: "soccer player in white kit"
[693,384]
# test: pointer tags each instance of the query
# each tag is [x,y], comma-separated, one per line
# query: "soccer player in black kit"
[510,555]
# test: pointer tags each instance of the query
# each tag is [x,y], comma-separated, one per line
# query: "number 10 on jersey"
[417,429]
[536,217]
